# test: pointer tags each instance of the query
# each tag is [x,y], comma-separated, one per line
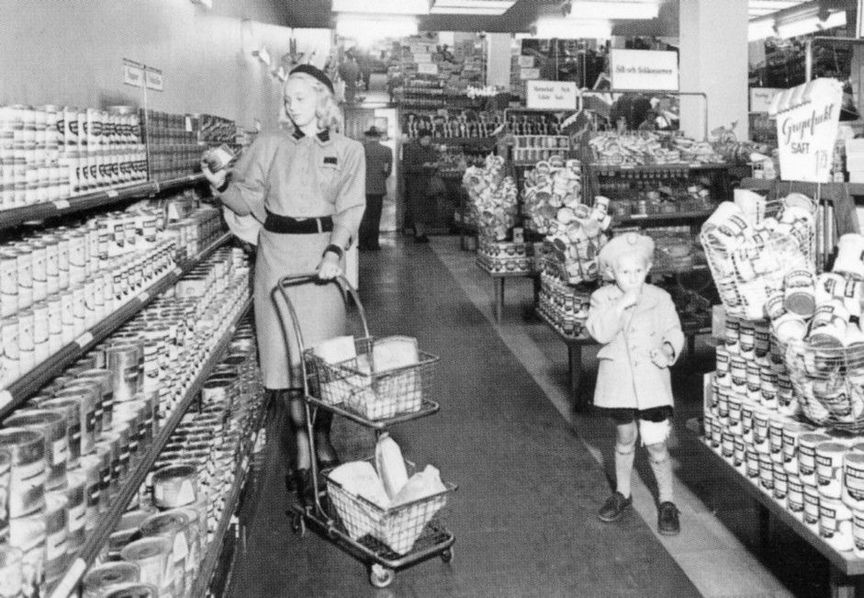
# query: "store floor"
[530,472]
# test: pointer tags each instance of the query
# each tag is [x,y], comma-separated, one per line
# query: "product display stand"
[844,566]
[12,217]
[574,359]
[498,279]
[350,521]
[131,485]
[22,388]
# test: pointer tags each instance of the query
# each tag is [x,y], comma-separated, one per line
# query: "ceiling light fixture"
[639,9]
[760,29]
[471,7]
[548,28]
[392,7]
[811,25]
[361,26]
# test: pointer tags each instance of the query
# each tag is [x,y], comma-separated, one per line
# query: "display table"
[574,357]
[845,566]
[498,279]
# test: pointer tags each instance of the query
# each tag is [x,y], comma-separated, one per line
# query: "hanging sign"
[529,73]
[526,62]
[133,73]
[761,98]
[427,68]
[551,95]
[422,57]
[643,69]
[153,77]
[808,117]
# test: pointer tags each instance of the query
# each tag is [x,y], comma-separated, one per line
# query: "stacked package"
[493,198]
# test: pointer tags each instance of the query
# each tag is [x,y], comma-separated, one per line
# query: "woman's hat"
[372,132]
[626,244]
[316,73]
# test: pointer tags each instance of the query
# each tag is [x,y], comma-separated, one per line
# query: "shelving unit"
[12,217]
[107,521]
[20,390]
[211,558]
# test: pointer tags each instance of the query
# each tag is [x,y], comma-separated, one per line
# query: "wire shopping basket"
[357,386]
[399,528]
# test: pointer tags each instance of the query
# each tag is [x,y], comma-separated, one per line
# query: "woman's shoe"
[303,486]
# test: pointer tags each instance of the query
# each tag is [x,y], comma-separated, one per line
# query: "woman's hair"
[327,110]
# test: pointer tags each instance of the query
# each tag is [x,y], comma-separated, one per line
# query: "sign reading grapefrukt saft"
[807,122]
[643,69]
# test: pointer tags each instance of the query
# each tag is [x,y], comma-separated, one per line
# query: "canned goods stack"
[530,148]
[177,141]
[195,231]
[185,495]
[756,249]
[48,153]
[563,305]
[548,188]
[70,448]
[55,286]
[493,198]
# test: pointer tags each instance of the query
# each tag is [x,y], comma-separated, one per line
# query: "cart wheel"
[298,524]
[447,555]
[380,577]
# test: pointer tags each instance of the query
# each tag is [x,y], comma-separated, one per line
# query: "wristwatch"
[333,248]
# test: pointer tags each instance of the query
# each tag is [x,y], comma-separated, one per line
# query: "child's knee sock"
[624,454]
[662,467]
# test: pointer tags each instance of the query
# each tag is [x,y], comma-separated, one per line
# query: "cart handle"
[287,281]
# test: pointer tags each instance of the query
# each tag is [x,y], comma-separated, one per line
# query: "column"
[498,59]
[713,59]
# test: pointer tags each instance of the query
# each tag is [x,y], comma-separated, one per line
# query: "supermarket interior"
[409,298]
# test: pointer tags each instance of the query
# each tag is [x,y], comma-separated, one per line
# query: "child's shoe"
[667,519]
[614,507]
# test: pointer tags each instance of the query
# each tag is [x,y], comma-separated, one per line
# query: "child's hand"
[628,300]
[662,356]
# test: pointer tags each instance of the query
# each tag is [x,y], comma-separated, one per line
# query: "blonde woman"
[306,183]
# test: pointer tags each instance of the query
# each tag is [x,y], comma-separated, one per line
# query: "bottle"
[390,465]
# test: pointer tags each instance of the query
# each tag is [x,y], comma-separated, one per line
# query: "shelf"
[613,169]
[466,140]
[208,563]
[514,274]
[21,389]
[847,563]
[14,216]
[131,485]
[567,338]
[828,189]
[635,218]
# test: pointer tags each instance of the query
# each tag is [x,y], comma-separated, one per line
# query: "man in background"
[379,165]
[349,72]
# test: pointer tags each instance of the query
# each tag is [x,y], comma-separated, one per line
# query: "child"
[641,336]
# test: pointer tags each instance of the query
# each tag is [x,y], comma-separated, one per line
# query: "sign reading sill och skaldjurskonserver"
[643,69]
[807,122]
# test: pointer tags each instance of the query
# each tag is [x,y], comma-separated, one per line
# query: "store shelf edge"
[32,381]
[205,572]
[12,217]
[100,535]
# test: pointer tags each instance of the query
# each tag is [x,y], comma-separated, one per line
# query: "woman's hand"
[329,267]
[216,179]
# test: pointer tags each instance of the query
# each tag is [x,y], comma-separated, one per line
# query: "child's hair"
[327,111]
[628,243]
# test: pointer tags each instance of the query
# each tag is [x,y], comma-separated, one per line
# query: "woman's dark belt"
[297,226]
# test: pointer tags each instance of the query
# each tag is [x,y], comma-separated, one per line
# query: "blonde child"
[639,329]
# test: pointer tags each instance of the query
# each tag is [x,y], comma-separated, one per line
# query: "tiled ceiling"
[317,13]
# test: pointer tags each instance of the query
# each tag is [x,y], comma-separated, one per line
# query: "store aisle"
[524,515]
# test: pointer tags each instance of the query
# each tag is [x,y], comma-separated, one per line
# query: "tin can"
[10,367]
[77,509]
[25,276]
[52,274]
[62,261]
[8,283]
[26,349]
[77,258]
[28,470]
[11,570]
[153,556]
[28,533]
[101,379]
[110,576]
[54,428]
[41,347]
[57,534]
[123,361]
[79,309]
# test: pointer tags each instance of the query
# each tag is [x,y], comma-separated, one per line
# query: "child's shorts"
[654,424]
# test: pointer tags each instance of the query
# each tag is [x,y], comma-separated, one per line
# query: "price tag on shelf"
[112,193]
[84,340]
[245,464]
[143,297]
[67,585]
[635,216]
[627,167]
[61,204]
[5,398]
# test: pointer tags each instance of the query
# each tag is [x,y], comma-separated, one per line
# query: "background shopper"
[639,329]
[419,162]
[379,165]
[307,186]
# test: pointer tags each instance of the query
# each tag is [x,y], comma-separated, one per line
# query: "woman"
[307,185]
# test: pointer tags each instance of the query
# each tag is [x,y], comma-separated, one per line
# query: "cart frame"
[381,561]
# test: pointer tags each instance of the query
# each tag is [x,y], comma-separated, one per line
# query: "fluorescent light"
[548,28]
[613,10]
[811,25]
[760,29]
[472,7]
[366,27]
[393,7]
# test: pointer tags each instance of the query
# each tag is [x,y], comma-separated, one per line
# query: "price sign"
[526,74]
[422,57]
[133,74]
[427,68]
[153,78]
[807,122]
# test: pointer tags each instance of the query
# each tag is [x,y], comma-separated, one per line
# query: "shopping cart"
[386,540]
